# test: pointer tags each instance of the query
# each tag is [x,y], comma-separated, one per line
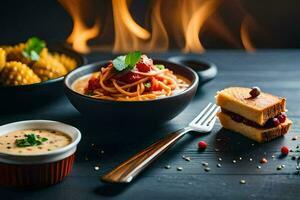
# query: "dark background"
[48,20]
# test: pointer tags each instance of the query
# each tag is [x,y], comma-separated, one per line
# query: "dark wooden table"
[276,72]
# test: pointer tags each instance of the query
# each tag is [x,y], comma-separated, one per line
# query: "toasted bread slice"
[258,109]
[258,134]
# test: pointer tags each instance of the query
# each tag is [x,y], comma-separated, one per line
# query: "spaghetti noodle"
[144,81]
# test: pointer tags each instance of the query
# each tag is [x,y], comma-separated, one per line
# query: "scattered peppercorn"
[255,92]
[284,150]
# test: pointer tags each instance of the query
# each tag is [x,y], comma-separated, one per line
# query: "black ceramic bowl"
[27,96]
[149,111]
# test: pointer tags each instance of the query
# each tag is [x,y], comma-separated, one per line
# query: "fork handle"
[130,168]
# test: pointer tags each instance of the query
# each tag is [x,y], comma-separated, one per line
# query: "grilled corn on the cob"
[68,62]
[48,68]
[16,73]
[2,58]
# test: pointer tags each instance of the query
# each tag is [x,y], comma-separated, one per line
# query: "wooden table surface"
[277,72]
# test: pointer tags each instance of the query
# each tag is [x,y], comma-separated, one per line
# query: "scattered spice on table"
[242,181]
[263,161]
[179,168]
[186,158]
[219,159]
[295,138]
[219,165]
[96,168]
[250,159]
[205,164]
[279,167]
[234,161]
[258,167]
[167,167]
[207,169]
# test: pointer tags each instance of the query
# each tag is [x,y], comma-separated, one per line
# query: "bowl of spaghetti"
[131,87]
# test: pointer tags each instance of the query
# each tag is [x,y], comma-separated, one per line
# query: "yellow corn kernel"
[48,68]
[16,73]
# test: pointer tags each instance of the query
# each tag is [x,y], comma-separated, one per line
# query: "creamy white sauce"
[55,140]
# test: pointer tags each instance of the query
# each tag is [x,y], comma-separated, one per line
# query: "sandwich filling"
[270,123]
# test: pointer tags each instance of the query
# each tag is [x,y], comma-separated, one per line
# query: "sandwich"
[257,115]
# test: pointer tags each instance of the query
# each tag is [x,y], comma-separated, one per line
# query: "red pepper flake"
[263,161]
[284,150]
[202,145]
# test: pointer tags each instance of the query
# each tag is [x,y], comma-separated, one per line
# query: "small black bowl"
[23,97]
[206,70]
[132,112]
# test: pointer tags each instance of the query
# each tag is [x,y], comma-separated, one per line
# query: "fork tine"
[200,114]
[207,114]
[211,117]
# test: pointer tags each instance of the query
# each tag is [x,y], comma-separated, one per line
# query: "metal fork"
[129,169]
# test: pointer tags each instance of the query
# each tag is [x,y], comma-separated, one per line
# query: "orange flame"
[130,36]
[245,35]
[179,28]
[80,34]
[195,24]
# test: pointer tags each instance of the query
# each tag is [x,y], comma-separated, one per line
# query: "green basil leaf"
[33,48]
[30,140]
[160,67]
[132,58]
[147,85]
[119,63]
